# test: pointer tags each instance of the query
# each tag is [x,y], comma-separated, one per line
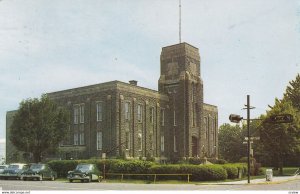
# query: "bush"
[232,171]
[195,161]
[63,166]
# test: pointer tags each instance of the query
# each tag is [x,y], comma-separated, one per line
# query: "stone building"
[126,120]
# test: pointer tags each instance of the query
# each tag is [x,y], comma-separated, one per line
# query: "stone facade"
[126,120]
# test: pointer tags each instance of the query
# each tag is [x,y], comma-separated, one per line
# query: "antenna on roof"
[179,21]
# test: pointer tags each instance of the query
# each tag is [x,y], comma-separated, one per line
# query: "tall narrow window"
[140,143]
[194,114]
[99,140]
[162,143]
[139,113]
[174,118]
[151,115]
[99,107]
[193,91]
[151,142]
[75,142]
[76,114]
[81,113]
[162,115]
[127,139]
[127,111]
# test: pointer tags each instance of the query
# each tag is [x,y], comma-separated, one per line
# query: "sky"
[246,47]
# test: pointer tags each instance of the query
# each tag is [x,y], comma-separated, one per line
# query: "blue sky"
[246,47]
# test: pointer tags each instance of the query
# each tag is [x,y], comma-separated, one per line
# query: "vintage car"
[3,167]
[39,172]
[85,172]
[14,171]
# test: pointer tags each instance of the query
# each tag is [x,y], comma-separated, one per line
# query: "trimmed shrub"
[63,166]
[232,171]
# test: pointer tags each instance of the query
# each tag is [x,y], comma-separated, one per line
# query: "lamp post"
[237,119]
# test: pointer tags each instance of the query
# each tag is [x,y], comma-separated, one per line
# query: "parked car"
[3,167]
[39,172]
[85,172]
[14,171]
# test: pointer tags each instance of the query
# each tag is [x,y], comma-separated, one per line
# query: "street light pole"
[248,128]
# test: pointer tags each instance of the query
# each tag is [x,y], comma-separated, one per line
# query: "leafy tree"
[38,126]
[231,139]
[281,140]
[293,92]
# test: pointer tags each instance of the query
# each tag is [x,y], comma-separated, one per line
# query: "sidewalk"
[277,179]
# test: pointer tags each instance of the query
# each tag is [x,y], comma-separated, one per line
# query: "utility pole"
[248,128]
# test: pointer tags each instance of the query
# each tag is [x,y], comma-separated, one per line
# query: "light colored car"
[3,167]
[14,171]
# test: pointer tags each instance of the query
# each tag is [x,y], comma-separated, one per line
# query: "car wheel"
[24,179]
[70,180]
[99,179]
[82,181]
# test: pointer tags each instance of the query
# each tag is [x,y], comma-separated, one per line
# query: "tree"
[38,126]
[281,140]
[231,142]
[293,92]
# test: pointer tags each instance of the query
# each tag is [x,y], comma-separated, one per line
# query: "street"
[9,185]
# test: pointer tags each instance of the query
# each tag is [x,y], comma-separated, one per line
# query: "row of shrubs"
[212,172]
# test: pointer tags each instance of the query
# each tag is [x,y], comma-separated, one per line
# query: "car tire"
[70,180]
[82,181]
[24,179]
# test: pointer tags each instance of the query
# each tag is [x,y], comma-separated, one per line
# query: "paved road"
[290,185]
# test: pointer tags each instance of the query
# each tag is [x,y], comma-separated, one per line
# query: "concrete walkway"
[276,179]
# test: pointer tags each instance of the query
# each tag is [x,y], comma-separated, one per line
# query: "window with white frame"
[99,107]
[174,118]
[151,115]
[76,114]
[140,143]
[81,138]
[75,142]
[139,113]
[162,115]
[127,110]
[162,143]
[81,113]
[99,140]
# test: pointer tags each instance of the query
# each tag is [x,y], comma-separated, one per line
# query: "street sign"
[281,118]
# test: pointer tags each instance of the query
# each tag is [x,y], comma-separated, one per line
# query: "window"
[139,113]
[81,113]
[205,127]
[151,115]
[75,138]
[162,115]
[76,114]
[99,140]
[174,117]
[151,142]
[193,91]
[99,106]
[140,144]
[194,114]
[81,138]
[127,110]
[127,139]
[162,143]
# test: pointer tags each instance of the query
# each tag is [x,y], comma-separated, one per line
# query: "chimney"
[133,82]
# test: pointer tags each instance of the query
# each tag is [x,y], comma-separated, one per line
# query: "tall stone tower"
[180,80]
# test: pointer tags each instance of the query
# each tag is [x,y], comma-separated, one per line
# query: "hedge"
[199,172]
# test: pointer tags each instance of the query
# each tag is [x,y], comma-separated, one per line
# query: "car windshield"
[36,166]
[84,167]
[13,167]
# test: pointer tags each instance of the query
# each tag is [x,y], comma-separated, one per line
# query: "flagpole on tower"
[179,21]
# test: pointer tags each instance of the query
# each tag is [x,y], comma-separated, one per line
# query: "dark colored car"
[39,172]
[14,171]
[85,172]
